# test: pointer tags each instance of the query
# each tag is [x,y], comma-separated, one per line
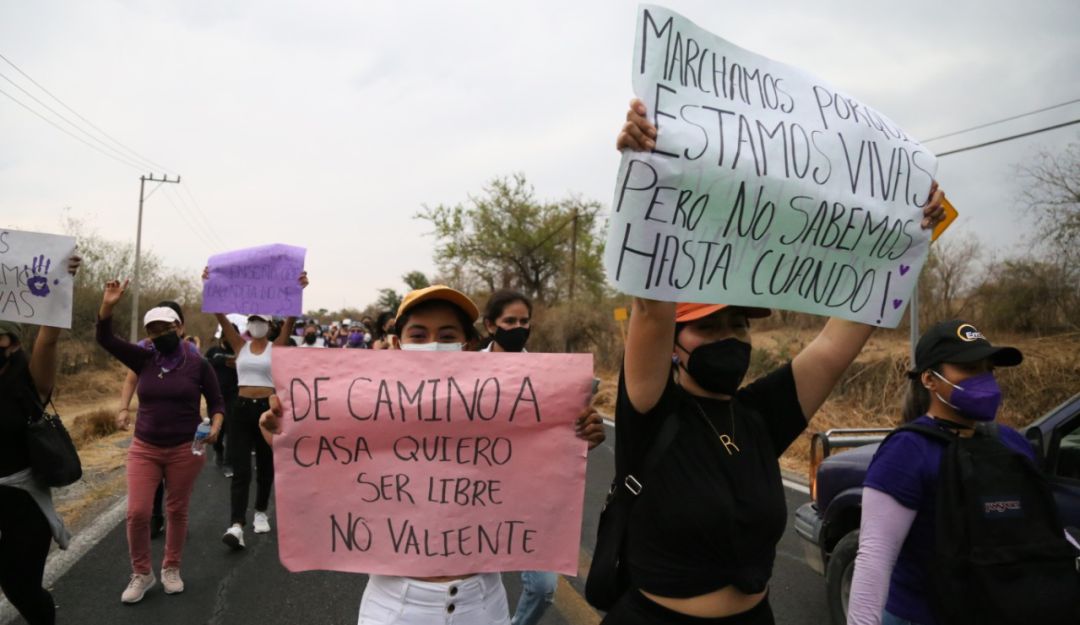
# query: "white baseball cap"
[265,318]
[161,313]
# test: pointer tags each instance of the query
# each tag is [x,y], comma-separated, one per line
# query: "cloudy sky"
[330,124]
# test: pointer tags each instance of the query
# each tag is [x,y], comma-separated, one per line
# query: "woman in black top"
[26,526]
[703,533]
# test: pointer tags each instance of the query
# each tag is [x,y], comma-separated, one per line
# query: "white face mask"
[258,329]
[432,347]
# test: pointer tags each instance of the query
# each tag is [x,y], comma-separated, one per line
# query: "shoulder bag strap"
[634,483]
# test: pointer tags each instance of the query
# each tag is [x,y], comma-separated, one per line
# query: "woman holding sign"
[255,386]
[171,381]
[28,522]
[437,318]
[703,530]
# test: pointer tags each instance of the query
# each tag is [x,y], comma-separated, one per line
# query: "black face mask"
[167,343]
[309,339]
[512,340]
[719,367]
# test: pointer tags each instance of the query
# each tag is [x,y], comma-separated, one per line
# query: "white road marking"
[60,561]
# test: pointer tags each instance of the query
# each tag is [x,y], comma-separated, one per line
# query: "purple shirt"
[169,388]
[906,468]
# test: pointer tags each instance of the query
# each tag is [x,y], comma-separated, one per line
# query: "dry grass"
[86,397]
[872,390]
[93,425]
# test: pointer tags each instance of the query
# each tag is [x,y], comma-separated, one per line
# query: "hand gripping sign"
[35,286]
[428,464]
[256,280]
[767,187]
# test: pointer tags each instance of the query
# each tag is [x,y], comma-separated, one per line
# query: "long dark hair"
[380,323]
[917,398]
[502,298]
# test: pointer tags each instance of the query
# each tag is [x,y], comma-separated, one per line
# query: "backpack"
[1001,556]
[609,575]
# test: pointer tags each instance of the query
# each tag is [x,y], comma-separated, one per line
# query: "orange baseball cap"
[443,293]
[686,311]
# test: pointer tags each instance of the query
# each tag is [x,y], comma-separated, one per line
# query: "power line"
[73,136]
[202,214]
[198,235]
[190,217]
[1001,121]
[62,118]
[1004,139]
[76,113]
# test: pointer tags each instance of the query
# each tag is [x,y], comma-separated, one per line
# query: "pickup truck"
[829,524]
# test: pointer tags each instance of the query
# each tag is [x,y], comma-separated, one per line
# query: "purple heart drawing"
[896,303]
[904,269]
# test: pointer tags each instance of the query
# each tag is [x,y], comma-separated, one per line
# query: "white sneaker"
[262,523]
[137,587]
[234,537]
[171,582]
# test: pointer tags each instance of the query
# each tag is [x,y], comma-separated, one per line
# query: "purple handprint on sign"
[39,283]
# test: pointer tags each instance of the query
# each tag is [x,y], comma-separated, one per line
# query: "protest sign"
[767,186]
[261,279]
[35,286]
[428,464]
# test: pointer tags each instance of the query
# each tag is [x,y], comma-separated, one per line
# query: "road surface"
[251,586]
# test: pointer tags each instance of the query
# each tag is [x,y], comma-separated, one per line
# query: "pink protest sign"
[261,279]
[429,463]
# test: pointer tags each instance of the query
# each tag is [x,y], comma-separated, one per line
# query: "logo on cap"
[968,333]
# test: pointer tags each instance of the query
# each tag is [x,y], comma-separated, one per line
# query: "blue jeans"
[537,593]
[887,618]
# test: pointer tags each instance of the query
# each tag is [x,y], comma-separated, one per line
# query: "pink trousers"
[147,465]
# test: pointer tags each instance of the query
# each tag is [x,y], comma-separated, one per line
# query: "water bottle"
[198,446]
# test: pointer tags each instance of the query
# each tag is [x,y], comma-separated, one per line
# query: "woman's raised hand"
[270,421]
[303,280]
[934,211]
[114,292]
[590,426]
[638,133]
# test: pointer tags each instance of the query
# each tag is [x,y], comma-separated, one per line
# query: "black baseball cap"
[958,341]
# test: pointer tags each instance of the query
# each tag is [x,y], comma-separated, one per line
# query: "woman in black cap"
[952,388]
[28,521]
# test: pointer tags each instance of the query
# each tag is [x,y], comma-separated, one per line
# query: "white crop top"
[254,369]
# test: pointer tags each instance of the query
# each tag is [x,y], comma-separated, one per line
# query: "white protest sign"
[35,286]
[767,187]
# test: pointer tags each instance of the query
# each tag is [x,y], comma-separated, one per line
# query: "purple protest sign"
[262,279]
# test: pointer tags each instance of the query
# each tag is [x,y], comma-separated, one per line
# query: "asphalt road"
[251,587]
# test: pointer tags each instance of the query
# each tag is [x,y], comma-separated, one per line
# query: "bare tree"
[1052,194]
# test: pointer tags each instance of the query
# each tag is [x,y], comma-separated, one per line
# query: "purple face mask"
[355,338]
[977,399]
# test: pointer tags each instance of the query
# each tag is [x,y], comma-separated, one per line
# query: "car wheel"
[838,576]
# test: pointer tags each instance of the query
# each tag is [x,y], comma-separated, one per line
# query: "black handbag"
[53,458]
[609,576]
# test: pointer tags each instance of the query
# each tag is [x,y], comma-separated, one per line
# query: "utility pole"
[573,270]
[138,249]
[913,310]
[573,253]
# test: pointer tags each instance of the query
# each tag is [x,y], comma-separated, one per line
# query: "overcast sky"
[329,124]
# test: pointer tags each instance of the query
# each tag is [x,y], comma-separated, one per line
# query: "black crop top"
[713,510]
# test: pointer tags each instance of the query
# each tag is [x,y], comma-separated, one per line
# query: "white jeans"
[475,600]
